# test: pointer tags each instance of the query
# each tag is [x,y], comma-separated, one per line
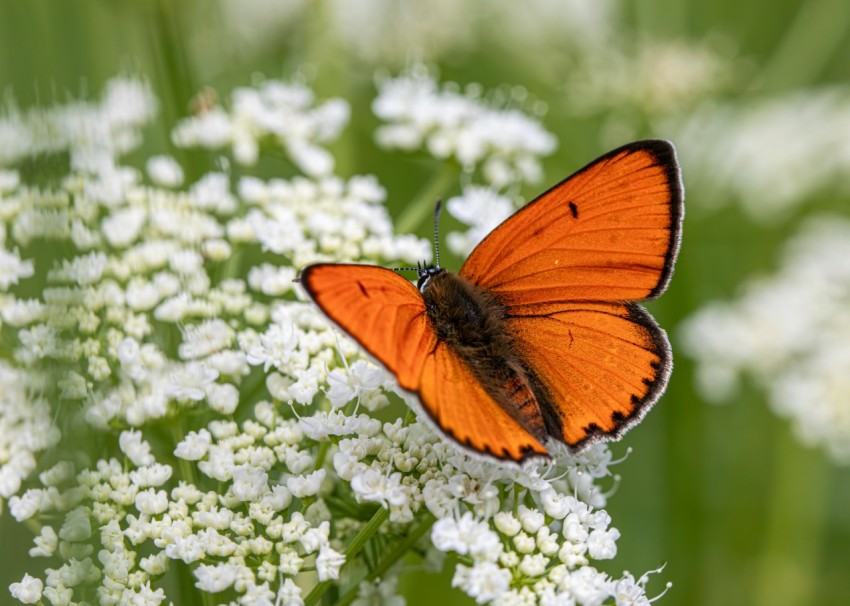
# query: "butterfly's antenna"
[437,231]
[425,271]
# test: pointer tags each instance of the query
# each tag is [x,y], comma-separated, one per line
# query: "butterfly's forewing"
[565,267]
[386,314]
[610,232]
[602,365]
[380,309]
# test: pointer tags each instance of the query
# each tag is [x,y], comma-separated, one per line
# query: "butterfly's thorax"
[470,322]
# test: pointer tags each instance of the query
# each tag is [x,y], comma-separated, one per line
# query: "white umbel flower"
[791,340]
[484,581]
[13,268]
[358,379]
[27,590]
[216,577]
[505,143]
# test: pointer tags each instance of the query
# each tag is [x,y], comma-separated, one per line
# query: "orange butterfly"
[539,335]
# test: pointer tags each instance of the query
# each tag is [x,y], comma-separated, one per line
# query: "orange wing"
[458,404]
[610,232]
[386,314]
[601,365]
[380,309]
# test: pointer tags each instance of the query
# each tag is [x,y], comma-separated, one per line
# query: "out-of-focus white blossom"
[383,592]
[28,590]
[284,113]
[26,427]
[135,447]
[482,209]
[13,268]
[767,155]
[506,144]
[165,171]
[658,78]
[789,332]
[88,130]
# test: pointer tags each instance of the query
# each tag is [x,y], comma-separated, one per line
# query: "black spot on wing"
[573,210]
[362,289]
[592,429]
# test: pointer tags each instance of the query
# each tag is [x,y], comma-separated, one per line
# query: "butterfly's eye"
[425,274]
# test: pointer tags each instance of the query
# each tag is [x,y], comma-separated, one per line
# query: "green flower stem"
[390,558]
[208,598]
[351,552]
[322,455]
[232,268]
[418,211]
[176,74]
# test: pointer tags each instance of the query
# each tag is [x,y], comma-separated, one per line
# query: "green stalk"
[390,558]
[795,530]
[817,32]
[176,75]
[323,453]
[351,552]
[232,268]
[208,598]
[422,205]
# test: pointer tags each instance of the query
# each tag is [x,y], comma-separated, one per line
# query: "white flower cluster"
[273,522]
[150,316]
[85,129]
[26,427]
[553,564]
[791,333]
[482,209]
[539,552]
[657,78]
[770,156]
[163,307]
[105,315]
[505,143]
[282,112]
[543,555]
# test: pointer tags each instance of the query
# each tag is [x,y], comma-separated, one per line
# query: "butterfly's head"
[423,270]
[425,273]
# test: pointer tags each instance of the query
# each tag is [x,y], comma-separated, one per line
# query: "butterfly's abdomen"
[470,322]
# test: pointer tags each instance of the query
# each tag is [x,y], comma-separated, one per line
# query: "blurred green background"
[739,511]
